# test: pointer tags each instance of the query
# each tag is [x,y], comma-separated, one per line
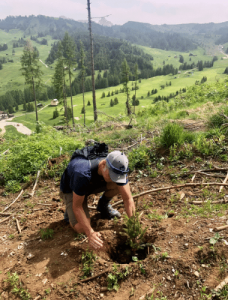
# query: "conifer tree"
[70,61]
[59,78]
[125,81]
[31,69]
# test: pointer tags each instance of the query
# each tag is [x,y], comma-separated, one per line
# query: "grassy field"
[11,78]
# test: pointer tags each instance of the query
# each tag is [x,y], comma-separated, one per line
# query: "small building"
[54,102]
[39,105]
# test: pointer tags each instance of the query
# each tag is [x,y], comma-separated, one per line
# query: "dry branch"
[37,178]
[220,228]
[225,180]
[221,284]
[18,226]
[171,187]
[212,202]
[13,201]
[94,277]
[5,219]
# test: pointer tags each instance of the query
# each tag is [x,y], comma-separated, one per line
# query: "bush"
[217,120]
[83,110]
[172,134]
[140,158]
[28,154]
[88,104]
[111,103]
[55,114]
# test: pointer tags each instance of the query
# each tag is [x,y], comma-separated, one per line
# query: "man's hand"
[95,241]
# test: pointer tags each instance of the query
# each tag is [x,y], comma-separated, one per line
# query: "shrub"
[172,134]
[83,110]
[55,114]
[111,103]
[216,121]
[88,104]
[140,157]
[46,233]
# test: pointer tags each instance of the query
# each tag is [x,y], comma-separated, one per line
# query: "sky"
[155,12]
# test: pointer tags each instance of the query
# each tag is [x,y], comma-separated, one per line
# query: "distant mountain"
[137,33]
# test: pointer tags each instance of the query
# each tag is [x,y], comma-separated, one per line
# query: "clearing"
[179,262]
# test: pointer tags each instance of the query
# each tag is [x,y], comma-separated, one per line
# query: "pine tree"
[58,79]
[125,81]
[31,69]
[70,61]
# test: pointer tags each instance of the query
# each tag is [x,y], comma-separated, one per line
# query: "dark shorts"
[68,200]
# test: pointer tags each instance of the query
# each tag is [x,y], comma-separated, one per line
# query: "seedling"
[115,276]
[46,233]
[134,232]
[88,259]
[17,287]
[214,240]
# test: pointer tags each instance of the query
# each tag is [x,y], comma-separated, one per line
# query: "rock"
[196,274]
[44,281]
[30,256]
[169,278]
[101,295]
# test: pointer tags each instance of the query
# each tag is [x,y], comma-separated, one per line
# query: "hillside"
[178,161]
[133,32]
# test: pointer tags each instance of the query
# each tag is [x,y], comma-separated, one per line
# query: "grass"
[12,79]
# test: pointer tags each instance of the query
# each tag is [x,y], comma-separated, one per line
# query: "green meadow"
[11,78]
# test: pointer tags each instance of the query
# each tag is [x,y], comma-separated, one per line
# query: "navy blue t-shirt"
[78,178]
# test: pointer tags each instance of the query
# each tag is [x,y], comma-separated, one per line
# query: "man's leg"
[68,200]
[104,206]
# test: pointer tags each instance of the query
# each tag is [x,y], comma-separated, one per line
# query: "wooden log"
[5,219]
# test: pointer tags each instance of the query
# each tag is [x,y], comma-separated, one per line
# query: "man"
[84,177]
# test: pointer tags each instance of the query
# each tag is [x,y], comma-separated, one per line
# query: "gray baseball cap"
[117,164]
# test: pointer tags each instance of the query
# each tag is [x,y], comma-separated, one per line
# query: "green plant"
[11,236]
[172,134]
[79,237]
[134,232]
[164,255]
[17,286]
[12,186]
[215,239]
[46,233]
[116,275]
[47,291]
[203,294]
[88,259]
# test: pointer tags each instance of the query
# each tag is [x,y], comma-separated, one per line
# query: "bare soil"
[177,264]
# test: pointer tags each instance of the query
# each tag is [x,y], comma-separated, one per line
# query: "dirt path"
[20,127]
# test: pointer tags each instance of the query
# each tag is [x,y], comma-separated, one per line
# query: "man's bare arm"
[83,224]
[127,199]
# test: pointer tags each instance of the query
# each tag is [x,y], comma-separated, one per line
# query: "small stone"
[30,256]
[169,278]
[44,281]
[196,274]
[186,245]
[101,295]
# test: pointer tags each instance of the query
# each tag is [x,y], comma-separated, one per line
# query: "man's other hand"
[95,241]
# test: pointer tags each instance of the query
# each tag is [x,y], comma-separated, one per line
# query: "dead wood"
[5,219]
[212,202]
[37,178]
[225,180]
[5,152]
[2,214]
[211,175]
[193,177]
[13,201]
[221,284]
[220,228]
[18,226]
[171,187]
[94,277]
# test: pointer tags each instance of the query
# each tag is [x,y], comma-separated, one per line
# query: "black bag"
[98,150]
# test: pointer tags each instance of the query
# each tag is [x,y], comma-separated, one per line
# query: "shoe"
[66,218]
[107,211]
